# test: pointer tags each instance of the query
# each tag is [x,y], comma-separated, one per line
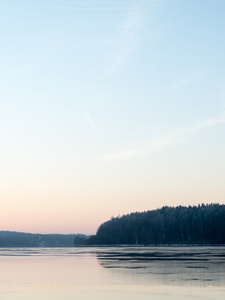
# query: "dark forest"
[202,224]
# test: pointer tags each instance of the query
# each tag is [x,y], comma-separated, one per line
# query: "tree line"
[20,239]
[202,224]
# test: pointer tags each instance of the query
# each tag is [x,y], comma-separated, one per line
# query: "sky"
[107,108]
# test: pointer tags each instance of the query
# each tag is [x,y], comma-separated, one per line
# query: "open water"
[160,273]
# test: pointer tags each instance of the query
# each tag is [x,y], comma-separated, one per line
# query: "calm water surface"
[112,273]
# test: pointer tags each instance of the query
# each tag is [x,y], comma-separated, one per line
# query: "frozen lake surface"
[112,273]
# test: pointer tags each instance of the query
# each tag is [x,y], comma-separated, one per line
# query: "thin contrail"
[90,121]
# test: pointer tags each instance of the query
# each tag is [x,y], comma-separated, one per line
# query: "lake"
[112,273]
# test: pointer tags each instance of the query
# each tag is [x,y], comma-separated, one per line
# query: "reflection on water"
[113,273]
[199,266]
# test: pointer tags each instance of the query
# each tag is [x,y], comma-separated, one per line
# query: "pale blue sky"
[109,107]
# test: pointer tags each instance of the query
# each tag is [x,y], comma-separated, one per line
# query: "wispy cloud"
[145,148]
[180,84]
[213,121]
[125,39]
[140,150]
[177,136]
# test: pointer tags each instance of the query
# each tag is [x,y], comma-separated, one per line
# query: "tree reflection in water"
[198,266]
